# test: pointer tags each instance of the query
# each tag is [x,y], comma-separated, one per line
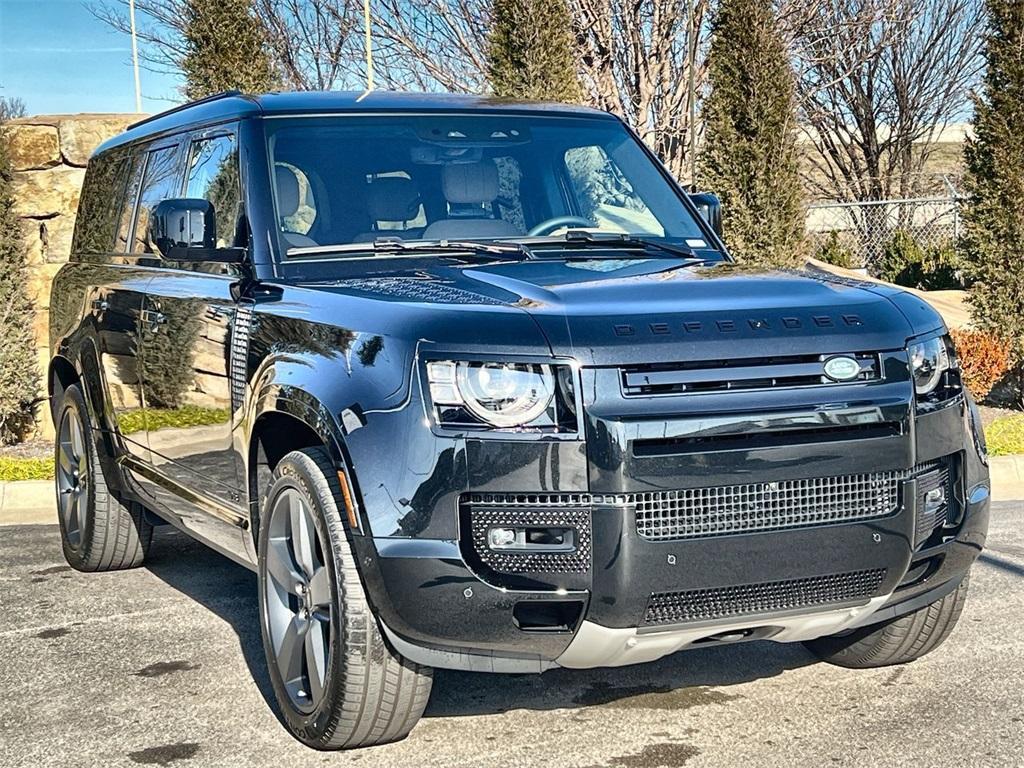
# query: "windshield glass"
[353,179]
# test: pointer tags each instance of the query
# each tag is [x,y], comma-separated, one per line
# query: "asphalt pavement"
[163,666]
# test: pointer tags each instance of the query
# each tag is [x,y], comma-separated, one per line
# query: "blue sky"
[57,57]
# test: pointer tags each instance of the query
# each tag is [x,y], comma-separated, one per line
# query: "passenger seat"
[288,204]
[470,185]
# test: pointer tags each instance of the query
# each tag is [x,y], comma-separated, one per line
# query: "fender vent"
[240,332]
[764,598]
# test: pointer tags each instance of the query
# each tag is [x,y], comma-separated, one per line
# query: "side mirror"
[185,229]
[710,207]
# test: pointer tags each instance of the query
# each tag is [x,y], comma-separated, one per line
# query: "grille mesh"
[767,597]
[755,507]
[568,510]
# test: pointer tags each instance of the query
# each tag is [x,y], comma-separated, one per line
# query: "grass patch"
[1005,435]
[165,418]
[25,469]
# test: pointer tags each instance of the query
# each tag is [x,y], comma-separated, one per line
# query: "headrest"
[393,198]
[287,190]
[470,182]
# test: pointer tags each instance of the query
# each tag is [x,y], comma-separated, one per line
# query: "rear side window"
[160,182]
[136,165]
[102,195]
[213,176]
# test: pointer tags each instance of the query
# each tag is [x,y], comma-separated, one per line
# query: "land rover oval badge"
[842,368]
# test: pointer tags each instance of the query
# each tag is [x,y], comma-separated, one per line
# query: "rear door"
[188,338]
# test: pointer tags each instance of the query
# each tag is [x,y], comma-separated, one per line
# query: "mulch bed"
[30,449]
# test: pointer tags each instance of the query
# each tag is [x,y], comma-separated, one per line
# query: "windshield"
[353,179]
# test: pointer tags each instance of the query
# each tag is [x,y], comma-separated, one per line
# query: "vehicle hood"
[619,312]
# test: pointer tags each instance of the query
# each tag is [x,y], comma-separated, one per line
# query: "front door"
[187,335]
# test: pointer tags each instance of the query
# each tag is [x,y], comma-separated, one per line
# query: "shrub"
[19,378]
[984,359]
[12,469]
[904,262]
[833,252]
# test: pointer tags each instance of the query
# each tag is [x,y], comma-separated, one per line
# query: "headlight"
[929,360]
[501,394]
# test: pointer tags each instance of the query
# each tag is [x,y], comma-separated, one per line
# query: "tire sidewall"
[74,401]
[311,727]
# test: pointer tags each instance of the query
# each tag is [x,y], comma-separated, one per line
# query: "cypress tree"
[530,51]
[225,49]
[750,157]
[994,215]
[19,377]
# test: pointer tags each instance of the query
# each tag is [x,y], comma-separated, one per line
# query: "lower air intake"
[767,597]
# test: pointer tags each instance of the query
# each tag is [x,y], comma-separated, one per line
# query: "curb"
[31,502]
[27,502]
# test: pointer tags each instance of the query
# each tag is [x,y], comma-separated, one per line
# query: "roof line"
[190,104]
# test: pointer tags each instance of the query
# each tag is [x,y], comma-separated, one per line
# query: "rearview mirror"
[710,208]
[185,229]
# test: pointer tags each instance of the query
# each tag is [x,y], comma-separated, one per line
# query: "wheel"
[99,531]
[898,640]
[337,682]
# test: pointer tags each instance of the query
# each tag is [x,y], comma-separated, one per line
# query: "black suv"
[476,385]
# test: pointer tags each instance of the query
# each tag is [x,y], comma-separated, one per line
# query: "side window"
[213,176]
[160,182]
[605,195]
[102,192]
[136,165]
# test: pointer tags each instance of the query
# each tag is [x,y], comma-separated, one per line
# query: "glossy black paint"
[327,348]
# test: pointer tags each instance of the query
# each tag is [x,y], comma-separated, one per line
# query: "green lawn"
[1006,435]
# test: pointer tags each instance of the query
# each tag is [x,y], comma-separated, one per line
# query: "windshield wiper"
[581,238]
[395,245]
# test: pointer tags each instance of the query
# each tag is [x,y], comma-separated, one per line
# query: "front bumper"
[441,607]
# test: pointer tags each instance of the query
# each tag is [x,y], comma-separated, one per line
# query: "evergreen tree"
[225,49]
[749,158]
[19,377]
[994,216]
[530,51]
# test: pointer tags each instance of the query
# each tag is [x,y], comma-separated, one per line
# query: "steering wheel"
[548,226]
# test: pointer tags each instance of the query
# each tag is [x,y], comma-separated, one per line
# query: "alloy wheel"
[297,599]
[72,477]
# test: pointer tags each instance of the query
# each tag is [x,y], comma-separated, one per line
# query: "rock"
[32,147]
[59,232]
[41,194]
[81,134]
[34,255]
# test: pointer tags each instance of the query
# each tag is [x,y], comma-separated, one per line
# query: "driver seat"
[470,186]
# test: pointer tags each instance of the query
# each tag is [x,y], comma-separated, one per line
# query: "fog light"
[501,538]
[935,499]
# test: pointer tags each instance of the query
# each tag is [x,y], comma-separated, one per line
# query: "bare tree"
[311,41]
[879,80]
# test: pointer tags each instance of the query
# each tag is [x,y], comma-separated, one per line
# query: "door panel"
[187,385]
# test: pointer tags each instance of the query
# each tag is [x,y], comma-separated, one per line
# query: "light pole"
[369,45]
[135,57]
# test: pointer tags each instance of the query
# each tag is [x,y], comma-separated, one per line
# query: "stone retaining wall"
[49,154]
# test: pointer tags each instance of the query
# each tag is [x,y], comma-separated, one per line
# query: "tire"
[99,531]
[342,686]
[898,640]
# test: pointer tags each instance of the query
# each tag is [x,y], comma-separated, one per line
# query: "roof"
[234,105]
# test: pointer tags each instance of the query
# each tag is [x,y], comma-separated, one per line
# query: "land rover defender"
[474,384]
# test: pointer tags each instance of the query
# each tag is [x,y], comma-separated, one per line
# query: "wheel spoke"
[281,568]
[74,522]
[66,501]
[302,535]
[316,660]
[77,444]
[290,651]
[320,588]
[67,466]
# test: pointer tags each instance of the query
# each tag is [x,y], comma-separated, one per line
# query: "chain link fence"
[862,230]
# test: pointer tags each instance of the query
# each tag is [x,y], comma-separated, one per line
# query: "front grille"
[933,475]
[550,510]
[758,507]
[735,374]
[767,597]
